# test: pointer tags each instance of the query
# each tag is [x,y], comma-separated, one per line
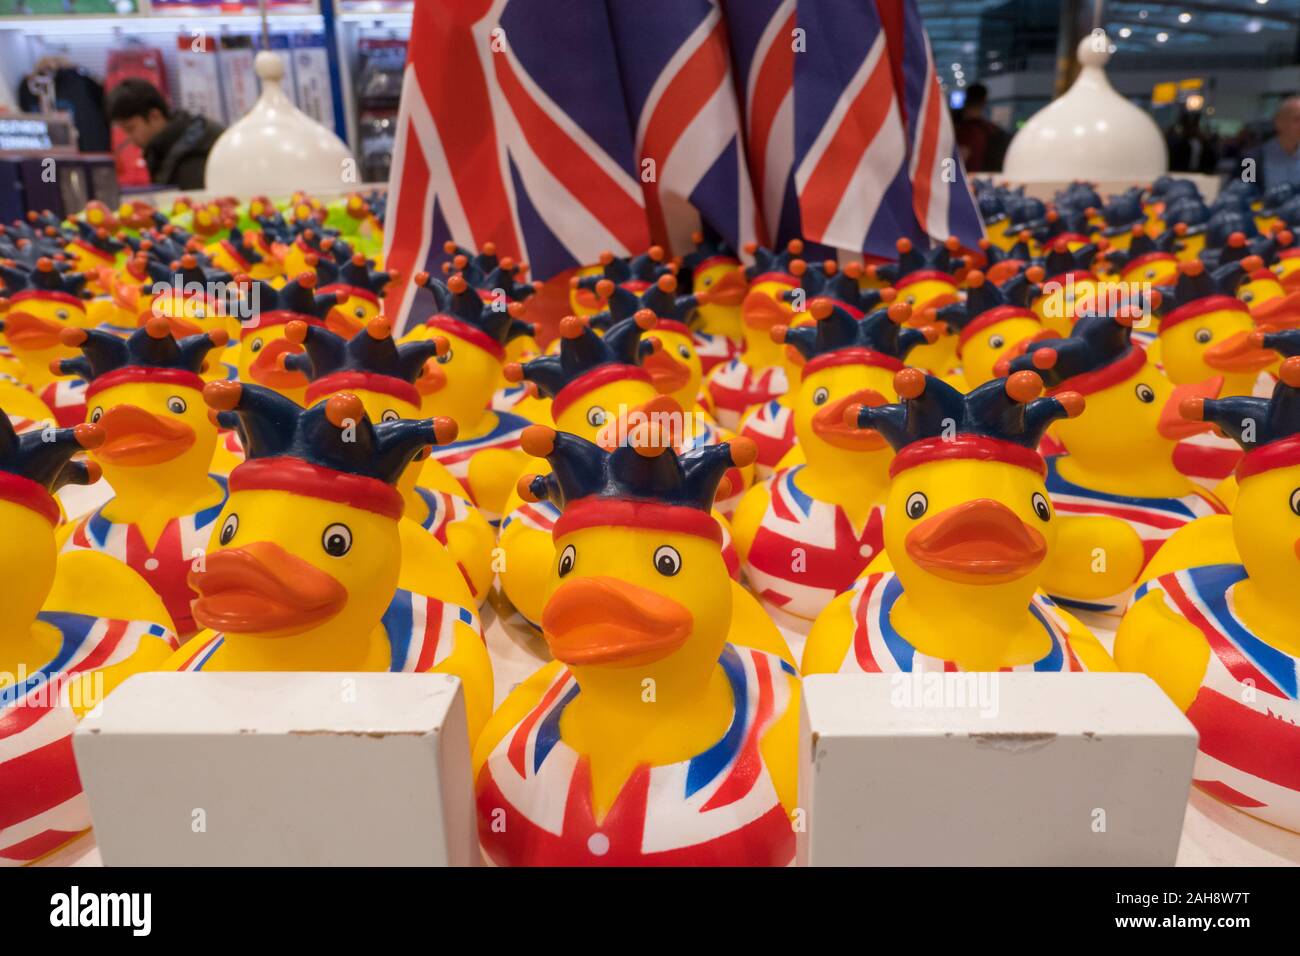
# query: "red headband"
[711,261]
[1087,383]
[598,376]
[1210,303]
[150,376]
[672,325]
[925,275]
[93,250]
[970,448]
[265,320]
[649,515]
[1139,261]
[48,295]
[993,316]
[852,356]
[1282,453]
[1077,274]
[784,278]
[472,335]
[283,473]
[368,381]
[345,290]
[30,494]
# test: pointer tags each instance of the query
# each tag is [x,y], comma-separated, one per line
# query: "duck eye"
[389,416]
[595,416]
[567,557]
[1248,297]
[917,503]
[337,540]
[96,415]
[1145,393]
[62,314]
[229,528]
[445,357]
[1204,335]
[1041,507]
[1295,501]
[996,341]
[255,345]
[821,395]
[359,312]
[176,405]
[683,351]
[667,561]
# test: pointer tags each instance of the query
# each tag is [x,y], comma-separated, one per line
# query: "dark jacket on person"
[178,154]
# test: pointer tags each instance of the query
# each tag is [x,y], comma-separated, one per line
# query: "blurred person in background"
[175,143]
[1278,159]
[982,142]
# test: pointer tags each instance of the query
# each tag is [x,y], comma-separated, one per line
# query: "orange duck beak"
[603,620]
[1278,313]
[263,589]
[1237,353]
[31,332]
[760,311]
[267,370]
[729,289]
[666,373]
[830,425]
[342,324]
[1173,424]
[133,436]
[976,542]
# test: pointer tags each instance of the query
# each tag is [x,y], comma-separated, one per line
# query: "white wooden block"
[219,769]
[991,769]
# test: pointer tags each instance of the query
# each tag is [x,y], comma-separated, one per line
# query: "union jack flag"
[562,128]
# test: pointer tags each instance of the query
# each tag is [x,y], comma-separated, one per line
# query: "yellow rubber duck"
[355,282]
[247,253]
[714,274]
[599,391]
[1205,329]
[668,355]
[1221,638]
[92,249]
[37,306]
[927,280]
[485,459]
[650,740]
[145,395]
[302,573]
[382,374]
[762,371]
[264,312]
[969,530]
[993,323]
[71,628]
[1070,287]
[1272,306]
[1147,261]
[771,425]
[1117,490]
[1287,268]
[807,534]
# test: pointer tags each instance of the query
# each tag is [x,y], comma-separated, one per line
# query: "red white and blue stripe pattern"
[771,427]
[421,634]
[444,510]
[506,434]
[807,551]
[675,64]
[736,386]
[718,808]
[713,350]
[41,802]
[1154,520]
[878,647]
[166,565]
[66,398]
[525,146]
[1246,710]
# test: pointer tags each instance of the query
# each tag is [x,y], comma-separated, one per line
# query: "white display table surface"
[1213,833]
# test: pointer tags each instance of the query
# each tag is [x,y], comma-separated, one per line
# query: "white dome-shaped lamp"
[276,149]
[1090,133]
